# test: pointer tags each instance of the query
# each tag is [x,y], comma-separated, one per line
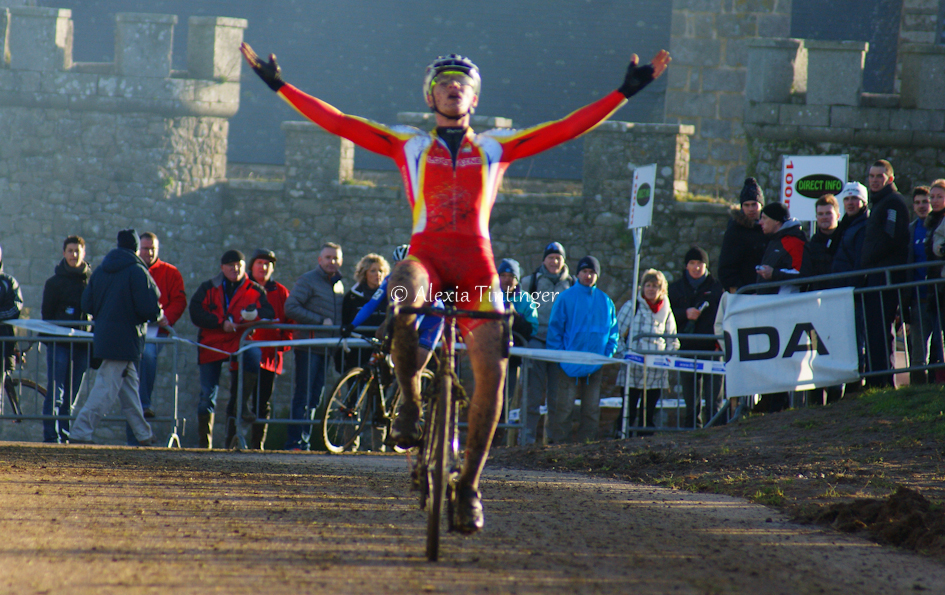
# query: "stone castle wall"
[835,117]
[706,82]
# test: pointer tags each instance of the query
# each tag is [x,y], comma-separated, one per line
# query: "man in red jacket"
[173,301]
[261,267]
[222,307]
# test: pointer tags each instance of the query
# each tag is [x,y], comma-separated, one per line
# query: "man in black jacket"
[122,298]
[744,242]
[885,244]
[695,301]
[66,363]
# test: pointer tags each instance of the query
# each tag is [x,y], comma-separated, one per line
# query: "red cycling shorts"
[461,270]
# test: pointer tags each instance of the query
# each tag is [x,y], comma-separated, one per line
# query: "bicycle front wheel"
[437,470]
[344,414]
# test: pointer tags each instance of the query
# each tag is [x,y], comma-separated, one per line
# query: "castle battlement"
[813,91]
[37,70]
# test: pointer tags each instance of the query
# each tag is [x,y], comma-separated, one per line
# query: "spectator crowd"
[133,293]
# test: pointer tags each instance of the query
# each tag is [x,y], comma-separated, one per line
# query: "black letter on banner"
[794,344]
[727,346]
[774,344]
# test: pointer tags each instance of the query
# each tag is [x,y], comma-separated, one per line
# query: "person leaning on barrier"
[173,302]
[582,319]
[919,325]
[261,267]
[66,363]
[695,298]
[744,242]
[221,308]
[122,298]
[818,252]
[885,244]
[316,298]
[524,316]
[369,273]
[654,315]
[549,280]
[785,250]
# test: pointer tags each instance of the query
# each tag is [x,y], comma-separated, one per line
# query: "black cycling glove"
[346,330]
[269,72]
[637,78]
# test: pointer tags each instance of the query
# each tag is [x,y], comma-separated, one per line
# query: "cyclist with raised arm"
[451,176]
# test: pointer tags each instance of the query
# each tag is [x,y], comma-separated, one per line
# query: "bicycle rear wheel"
[438,473]
[344,414]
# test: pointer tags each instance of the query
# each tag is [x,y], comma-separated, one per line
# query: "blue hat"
[510,265]
[554,248]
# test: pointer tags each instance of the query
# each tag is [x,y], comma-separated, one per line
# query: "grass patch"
[922,408]
[769,496]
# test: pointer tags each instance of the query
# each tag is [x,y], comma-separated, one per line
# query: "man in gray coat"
[544,285]
[122,298]
[315,299]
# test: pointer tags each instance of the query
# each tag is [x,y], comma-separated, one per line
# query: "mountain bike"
[363,402]
[438,460]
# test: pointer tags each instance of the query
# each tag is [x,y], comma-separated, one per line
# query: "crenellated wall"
[834,116]
[92,148]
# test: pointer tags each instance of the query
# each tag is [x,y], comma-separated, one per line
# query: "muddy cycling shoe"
[467,510]
[405,430]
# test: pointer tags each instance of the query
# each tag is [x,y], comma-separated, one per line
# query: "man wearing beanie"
[548,281]
[122,298]
[583,319]
[784,254]
[524,319]
[694,299]
[744,242]
[221,308]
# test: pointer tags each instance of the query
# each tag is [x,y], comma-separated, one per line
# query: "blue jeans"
[147,371]
[309,382]
[66,364]
[210,378]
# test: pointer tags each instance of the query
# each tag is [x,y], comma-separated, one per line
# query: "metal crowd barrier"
[27,384]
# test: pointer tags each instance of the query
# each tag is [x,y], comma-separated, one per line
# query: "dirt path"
[111,520]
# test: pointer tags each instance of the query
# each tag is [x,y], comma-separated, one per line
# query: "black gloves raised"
[637,78]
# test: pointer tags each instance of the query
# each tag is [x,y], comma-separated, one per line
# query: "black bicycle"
[14,383]
[363,402]
[438,461]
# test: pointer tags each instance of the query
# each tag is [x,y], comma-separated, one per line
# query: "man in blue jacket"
[122,298]
[583,319]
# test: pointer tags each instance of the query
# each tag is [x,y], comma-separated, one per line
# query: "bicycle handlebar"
[448,311]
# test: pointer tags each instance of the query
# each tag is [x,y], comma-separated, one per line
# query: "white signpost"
[804,179]
[641,214]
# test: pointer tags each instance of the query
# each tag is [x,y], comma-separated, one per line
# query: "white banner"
[641,196]
[804,179]
[787,342]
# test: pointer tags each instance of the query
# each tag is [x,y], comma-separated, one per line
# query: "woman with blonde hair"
[368,275]
[654,315]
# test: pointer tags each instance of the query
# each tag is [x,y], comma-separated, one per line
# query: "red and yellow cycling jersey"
[453,202]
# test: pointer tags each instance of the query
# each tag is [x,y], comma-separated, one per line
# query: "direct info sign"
[785,342]
[804,179]
[641,196]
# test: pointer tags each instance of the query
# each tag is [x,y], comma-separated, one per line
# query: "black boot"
[205,430]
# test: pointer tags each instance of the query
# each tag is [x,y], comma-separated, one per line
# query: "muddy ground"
[645,515]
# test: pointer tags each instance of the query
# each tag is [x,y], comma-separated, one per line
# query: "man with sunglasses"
[451,177]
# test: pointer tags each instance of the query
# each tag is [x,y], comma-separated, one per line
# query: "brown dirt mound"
[905,519]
